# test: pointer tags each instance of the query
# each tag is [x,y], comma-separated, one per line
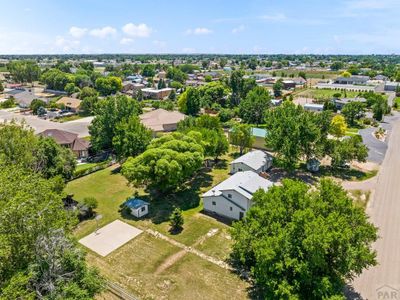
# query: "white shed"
[138,207]
[257,161]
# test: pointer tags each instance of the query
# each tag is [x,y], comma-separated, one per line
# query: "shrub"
[176,220]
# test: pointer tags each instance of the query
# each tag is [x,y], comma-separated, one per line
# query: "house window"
[240,170]
[230,208]
[143,208]
[213,203]
[230,196]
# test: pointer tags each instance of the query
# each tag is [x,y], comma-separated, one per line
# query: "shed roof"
[254,159]
[135,203]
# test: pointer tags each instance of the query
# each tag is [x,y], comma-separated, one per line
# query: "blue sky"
[207,26]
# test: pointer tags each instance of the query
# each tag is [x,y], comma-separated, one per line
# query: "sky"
[207,26]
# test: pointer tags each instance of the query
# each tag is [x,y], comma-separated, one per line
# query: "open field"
[152,268]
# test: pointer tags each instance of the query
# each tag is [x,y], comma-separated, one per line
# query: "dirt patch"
[170,261]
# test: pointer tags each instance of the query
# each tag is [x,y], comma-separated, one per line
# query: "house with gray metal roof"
[232,198]
[257,161]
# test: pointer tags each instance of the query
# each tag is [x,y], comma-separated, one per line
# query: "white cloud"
[77,32]
[199,31]
[279,17]
[188,50]
[140,30]
[66,45]
[238,29]
[103,32]
[126,41]
[160,44]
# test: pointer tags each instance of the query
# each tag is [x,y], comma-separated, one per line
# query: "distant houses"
[150,93]
[313,107]
[354,80]
[71,104]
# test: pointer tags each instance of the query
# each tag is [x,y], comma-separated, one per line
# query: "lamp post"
[97,218]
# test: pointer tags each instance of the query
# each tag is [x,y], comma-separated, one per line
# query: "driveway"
[79,127]
[384,212]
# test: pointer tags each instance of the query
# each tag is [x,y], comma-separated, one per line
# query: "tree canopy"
[252,108]
[302,244]
[167,163]
[108,113]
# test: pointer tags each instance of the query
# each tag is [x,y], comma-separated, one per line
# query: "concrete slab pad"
[110,237]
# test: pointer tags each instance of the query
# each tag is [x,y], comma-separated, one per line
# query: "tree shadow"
[276,174]
[162,205]
[351,294]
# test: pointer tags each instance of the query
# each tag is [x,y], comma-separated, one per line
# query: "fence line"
[119,291]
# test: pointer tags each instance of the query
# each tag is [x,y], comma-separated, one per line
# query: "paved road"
[384,211]
[79,127]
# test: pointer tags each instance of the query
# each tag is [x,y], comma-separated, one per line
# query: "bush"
[9,103]
[90,202]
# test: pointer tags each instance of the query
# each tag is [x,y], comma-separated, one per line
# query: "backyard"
[150,267]
[325,94]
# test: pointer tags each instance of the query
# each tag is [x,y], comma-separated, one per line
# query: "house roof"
[157,119]
[80,145]
[246,183]
[70,102]
[254,159]
[135,203]
[258,132]
[60,136]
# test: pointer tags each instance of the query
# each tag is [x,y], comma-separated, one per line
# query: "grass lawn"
[346,174]
[325,94]
[396,102]
[133,265]
[85,166]
[351,131]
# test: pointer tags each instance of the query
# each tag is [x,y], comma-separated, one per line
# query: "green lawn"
[396,102]
[133,266]
[351,131]
[85,166]
[325,94]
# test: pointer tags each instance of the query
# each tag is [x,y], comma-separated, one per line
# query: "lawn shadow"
[276,174]
[162,205]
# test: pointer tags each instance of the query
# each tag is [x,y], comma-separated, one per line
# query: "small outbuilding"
[138,207]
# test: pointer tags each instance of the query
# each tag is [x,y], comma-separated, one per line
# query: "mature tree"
[240,136]
[56,79]
[299,243]
[213,137]
[236,85]
[226,114]
[89,104]
[302,74]
[214,92]
[1,87]
[37,258]
[24,70]
[131,138]
[294,133]
[252,108]
[168,162]
[20,146]
[36,104]
[353,111]
[109,112]
[177,75]
[189,102]
[278,87]
[338,126]
[149,70]
[71,88]
[108,85]
[346,74]
[380,108]
[347,150]
[337,65]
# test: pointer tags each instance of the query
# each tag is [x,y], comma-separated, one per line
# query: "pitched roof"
[245,183]
[135,203]
[254,159]
[70,102]
[80,144]
[157,119]
[60,136]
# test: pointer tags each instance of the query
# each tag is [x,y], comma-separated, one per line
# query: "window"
[213,203]
[143,208]
[230,208]
[240,170]
[230,196]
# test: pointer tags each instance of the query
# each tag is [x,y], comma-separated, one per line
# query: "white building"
[257,161]
[313,107]
[138,207]
[232,198]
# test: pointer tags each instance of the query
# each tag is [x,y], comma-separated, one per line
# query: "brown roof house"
[72,104]
[161,120]
[79,146]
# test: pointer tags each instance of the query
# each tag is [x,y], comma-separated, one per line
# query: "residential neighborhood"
[235,151]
